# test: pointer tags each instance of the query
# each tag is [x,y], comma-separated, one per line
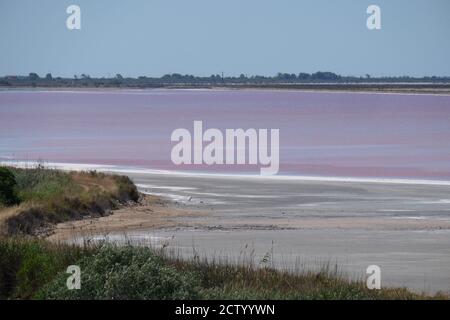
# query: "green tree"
[8,183]
[33,76]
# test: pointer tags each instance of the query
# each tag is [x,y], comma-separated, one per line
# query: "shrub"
[26,265]
[7,187]
[125,273]
[127,189]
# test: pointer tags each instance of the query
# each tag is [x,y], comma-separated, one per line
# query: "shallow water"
[418,260]
[236,207]
[321,134]
[327,134]
[238,198]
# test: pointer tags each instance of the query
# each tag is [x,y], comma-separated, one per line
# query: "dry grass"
[5,214]
[53,196]
[95,182]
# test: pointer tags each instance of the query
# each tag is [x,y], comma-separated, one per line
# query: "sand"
[150,214]
[402,227]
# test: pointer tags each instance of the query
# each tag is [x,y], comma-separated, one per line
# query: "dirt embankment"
[48,197]
[150,212]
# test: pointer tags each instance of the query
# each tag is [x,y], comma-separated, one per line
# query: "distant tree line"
[176,79]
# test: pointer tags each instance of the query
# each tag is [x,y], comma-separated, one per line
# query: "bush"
[31,268]
[127,189]
[26,265]
[8,183]
[125,273]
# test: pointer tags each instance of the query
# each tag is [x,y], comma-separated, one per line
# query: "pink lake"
[321,134]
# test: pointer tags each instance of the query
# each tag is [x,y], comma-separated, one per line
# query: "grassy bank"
[44,197]
[36,269]
[30,268]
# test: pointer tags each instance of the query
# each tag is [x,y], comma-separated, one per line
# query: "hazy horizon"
[153,38]
[112,75]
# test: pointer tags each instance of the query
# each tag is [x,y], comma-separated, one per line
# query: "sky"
[204,37]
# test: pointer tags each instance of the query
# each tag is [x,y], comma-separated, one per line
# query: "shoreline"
[150,213]
[155,214]
[306,88]
[404,228]
[400,246]
[68,166]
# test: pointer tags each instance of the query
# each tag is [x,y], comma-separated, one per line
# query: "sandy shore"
[153,213]
[150,214]
[402,227]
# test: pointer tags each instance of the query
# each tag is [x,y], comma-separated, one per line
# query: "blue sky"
[202,37]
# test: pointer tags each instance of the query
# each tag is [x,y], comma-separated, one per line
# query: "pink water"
[326,134]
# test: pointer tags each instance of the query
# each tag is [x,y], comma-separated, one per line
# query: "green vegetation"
[26,265]
[37,269]
[39,197]
[187,80]
[7,188]
[125,273]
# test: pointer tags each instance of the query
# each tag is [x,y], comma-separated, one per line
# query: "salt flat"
[404,228]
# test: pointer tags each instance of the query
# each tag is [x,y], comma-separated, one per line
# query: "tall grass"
[39,184]
[26,265]
[36,269]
